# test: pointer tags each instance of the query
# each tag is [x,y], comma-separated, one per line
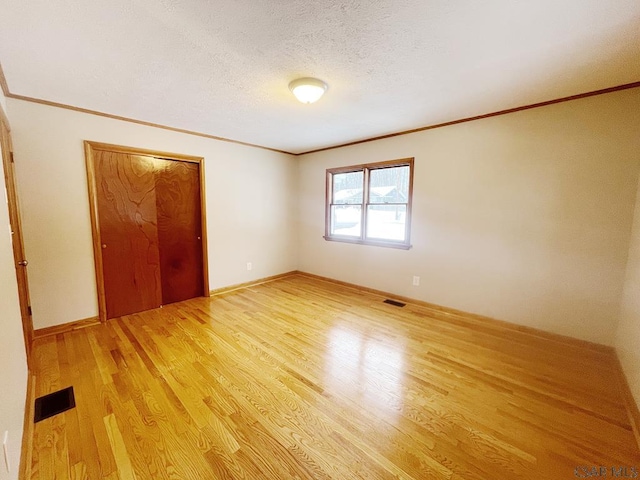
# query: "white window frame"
[366,169]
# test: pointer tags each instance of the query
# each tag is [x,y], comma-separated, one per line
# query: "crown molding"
[593,93]
[7,93]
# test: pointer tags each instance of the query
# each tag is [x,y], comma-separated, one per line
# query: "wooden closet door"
[128,228]
[179,230]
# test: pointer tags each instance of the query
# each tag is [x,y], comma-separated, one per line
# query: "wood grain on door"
[129,232]
[179,230]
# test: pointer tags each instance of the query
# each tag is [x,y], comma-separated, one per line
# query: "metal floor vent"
[54,403]
[395,303]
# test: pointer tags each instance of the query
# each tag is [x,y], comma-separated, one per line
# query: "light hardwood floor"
[301,378]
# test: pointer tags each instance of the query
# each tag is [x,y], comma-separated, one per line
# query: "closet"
[148,227]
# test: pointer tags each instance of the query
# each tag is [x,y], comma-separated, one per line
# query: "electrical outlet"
[249,266]
[416,281]
[5,448]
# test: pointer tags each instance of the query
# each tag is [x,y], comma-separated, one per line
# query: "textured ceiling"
[222,67]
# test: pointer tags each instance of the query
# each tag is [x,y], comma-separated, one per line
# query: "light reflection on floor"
[367,370]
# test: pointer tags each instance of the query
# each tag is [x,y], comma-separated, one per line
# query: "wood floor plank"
[118,448]
[301,378]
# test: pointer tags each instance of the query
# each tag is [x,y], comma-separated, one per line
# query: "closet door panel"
[179,230]
[129,233]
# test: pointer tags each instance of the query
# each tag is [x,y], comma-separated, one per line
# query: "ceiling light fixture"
[308,90]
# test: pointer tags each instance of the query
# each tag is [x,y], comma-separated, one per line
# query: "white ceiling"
[222,67]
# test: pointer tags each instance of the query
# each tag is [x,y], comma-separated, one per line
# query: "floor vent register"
[54,403]
[395,303]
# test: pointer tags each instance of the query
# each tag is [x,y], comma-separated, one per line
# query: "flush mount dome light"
[308,90]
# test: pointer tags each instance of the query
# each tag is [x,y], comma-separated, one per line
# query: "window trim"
[366,168]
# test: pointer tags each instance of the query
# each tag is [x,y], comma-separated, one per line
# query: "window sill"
[374,243]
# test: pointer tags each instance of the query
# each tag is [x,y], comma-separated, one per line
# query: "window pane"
[346,220]
[389,185]
[386,222]
[347,187]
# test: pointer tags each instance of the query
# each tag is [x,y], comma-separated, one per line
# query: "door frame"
[90,147]
[17,242]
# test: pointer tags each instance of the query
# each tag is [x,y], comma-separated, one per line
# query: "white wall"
[628,335]
[13,373]
[250,205]
[523,217]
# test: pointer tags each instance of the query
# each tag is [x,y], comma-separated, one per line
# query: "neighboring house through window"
[370,204]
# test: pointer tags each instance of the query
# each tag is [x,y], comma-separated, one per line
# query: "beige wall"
[628,335]
[524,217]
[249,205]
[13,373]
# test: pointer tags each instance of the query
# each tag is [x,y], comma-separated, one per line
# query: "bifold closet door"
[179,230]
[126,194]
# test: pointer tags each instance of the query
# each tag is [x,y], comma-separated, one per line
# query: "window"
[370,204]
